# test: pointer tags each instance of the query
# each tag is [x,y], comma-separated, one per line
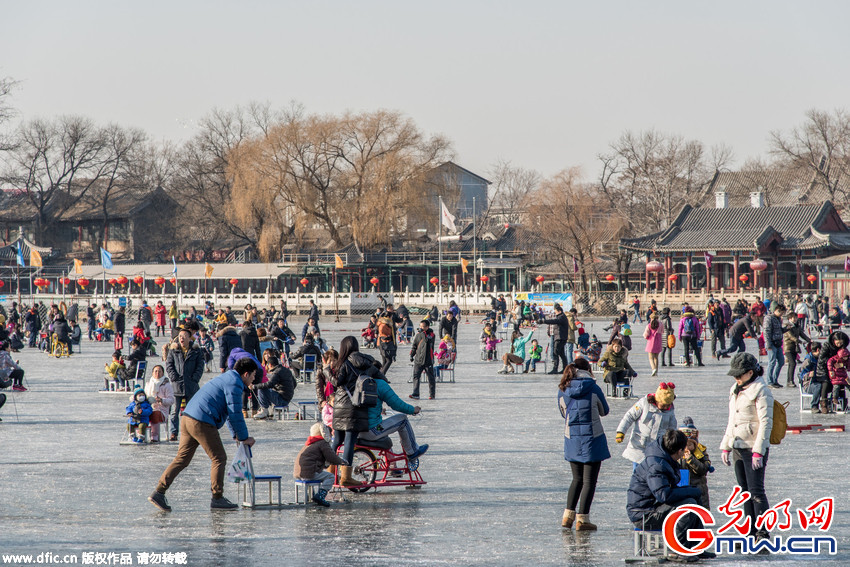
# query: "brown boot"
[824,407]
[246,413]
[567,520]
[331,469]
[583,523]
[345,477]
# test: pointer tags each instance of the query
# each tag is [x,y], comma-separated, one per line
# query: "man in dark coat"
[448,326]
[63,332]
[228,339]
[309,348]
[422,357]
[284,334]
[654,491]
[250,339]
[278,391]
[184,368]
[314,312]
[736,336]
[561,330]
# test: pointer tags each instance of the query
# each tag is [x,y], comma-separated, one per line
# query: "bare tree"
[121,145]
[574,220]
[202,184]
[511,189]
[822,145]
[7,112]
[55,164]
[357,175]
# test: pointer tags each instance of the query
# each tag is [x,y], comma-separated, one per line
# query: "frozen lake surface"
[497,480]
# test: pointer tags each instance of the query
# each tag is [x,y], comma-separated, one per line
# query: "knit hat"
[664,395]
[687,425]
[137,391]
[316,430]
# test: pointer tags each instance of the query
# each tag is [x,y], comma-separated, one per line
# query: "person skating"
[218,402]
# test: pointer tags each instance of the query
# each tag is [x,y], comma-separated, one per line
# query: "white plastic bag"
[241,469]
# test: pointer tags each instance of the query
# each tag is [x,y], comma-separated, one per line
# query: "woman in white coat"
[747,437]
[651,416]
[161,395]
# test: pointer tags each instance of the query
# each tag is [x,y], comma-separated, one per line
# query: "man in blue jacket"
[217,402]
[654,491]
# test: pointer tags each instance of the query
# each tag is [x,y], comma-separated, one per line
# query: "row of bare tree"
[277,179]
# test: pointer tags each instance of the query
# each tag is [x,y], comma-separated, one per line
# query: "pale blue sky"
[547,85]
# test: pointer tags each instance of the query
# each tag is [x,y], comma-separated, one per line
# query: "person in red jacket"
[160,314]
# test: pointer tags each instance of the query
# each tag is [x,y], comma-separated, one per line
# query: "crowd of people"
[260,365]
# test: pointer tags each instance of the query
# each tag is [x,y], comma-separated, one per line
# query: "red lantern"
[485,279]
[139,280]
[539,279]
[112,281]
[758,265]
[812,278]
[610,277]
[744,278]
[83,282]
[40,283]
[673,277]
[2,283]
[173,281]
[374,281]
[434,280]
[122,281]
[66,281]
[233,282]
[507,225]
[654,266]
[304,282]
[159,280]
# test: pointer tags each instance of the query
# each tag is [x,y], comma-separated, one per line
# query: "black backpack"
[365,394]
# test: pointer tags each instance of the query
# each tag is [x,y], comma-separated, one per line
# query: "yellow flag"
[208,270]
[78,266]
[35,258]
[463,265]
[338,260]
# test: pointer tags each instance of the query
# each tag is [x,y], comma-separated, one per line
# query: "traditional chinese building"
[741,247]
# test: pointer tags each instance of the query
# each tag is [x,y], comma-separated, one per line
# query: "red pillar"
[776,272]
[735,274]
[799,271]
[666,273]
[688,285]
[646,289]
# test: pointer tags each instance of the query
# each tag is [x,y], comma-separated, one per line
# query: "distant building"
[134,227]
[788,239]
[470,189]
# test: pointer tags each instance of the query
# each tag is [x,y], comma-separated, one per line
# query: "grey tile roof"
[781,187]
[744,228]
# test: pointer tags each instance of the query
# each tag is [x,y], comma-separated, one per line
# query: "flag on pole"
[174,263]
[708,259]
[338,262]
[35,258]
[208,270]
[78,266]
[448,219]
[463,265]
[20,255]
[575,265]
[105,259]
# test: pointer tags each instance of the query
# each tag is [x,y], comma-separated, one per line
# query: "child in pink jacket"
[837,368]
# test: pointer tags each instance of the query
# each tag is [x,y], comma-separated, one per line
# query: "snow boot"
[262,414]
[345,477]
[331,469]
[567,520]
[319,498]
[583,523]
